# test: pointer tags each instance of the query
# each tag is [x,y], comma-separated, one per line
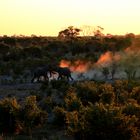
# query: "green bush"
[88,92]
[9,118]
[136,94]
[107,94]
[101,122]
[31,115]
[47,104]
[132,109]
[59,116]
[72,102]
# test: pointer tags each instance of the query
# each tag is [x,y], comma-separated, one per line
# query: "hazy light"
[48,17]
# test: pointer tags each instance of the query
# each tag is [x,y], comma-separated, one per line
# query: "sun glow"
[48,17]
[76,66]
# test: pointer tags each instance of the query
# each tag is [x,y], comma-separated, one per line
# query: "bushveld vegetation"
[84,109]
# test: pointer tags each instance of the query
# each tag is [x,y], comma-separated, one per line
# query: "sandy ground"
[21,90]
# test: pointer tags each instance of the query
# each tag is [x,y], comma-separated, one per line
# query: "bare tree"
[105,72]
[98,32]
[131,74]
[113,69]
[87,30]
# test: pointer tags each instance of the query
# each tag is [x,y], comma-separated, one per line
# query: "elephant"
[43,71]
[38,73]
[63,72]
[51,69]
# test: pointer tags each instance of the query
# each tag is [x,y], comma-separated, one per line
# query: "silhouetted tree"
[98,32]
[105,72]
[69,33]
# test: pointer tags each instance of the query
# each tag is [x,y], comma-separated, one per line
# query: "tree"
[113,69]
[98,32]
[87,30]
[105,72]
[69,33]
[131,73]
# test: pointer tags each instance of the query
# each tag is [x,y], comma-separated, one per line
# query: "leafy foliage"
[9,110]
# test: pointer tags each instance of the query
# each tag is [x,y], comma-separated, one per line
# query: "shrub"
[101,122]
[72,102]
[59,116]
[61,85]
[107,94]
[136,93]
[31,114]
[9,118]
[132,109]
[47,104]
[88,92]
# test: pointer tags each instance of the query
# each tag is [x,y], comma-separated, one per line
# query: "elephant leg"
[59,77]
[67,77]
[32,80]
[71,77]
[50,73]
[38,79]
[46,77]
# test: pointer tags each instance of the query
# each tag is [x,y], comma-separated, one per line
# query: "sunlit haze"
[48,17]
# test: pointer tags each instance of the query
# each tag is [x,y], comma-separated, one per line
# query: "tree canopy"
[70,32]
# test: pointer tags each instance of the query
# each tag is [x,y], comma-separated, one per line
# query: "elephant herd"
[48,71]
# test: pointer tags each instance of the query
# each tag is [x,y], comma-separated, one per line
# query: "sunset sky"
[48,17]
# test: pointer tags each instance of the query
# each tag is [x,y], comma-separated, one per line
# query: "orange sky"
[48,17]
